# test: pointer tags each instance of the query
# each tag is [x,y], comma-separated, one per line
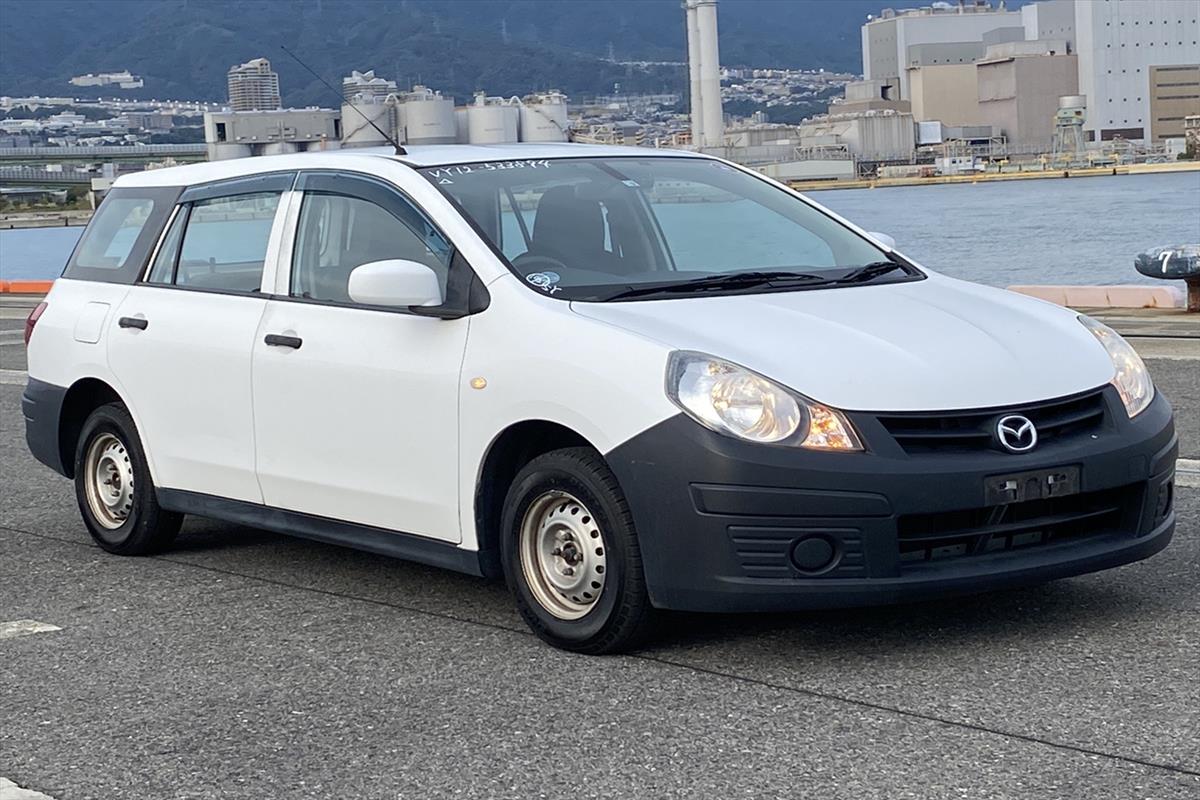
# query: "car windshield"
[630,227]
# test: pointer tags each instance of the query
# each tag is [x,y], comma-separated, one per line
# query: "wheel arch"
[82,398]
[509,450]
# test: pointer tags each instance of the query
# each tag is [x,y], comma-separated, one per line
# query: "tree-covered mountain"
[183,48]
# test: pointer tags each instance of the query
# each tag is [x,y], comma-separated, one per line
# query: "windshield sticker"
[546,281]
[445,175]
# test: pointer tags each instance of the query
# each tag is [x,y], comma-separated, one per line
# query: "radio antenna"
[400,151]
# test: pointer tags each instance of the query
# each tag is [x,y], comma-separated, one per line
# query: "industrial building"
[1134,62]
[938,34]
[253,86]
[1018,87]
[869,136]
[373,112]
[944,92]
[1119,43]
[236,134]
[1174,96]
[365,84]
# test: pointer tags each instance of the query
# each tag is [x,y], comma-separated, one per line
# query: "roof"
[361,158]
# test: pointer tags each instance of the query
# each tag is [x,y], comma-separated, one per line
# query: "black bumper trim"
[41,405]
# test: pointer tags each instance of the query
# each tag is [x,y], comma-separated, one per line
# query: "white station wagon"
[625,379]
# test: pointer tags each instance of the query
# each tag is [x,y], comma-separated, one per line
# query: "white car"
[625,379]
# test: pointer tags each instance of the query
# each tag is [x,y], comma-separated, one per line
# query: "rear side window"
[118,240]
[225,242]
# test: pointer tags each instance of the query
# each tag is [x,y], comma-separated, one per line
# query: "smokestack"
[693,48]
[713,124]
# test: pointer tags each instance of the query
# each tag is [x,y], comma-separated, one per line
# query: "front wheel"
[571,554]
[113,487]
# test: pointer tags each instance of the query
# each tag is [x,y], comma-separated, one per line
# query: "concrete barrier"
[1107,296]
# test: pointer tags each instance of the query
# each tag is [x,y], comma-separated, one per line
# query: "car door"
[356,407]
[182,337]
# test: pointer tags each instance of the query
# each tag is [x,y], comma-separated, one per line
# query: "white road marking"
[1187,473]
[12,333]
[13,377]
[24,627]
[1153,348]
[10,791]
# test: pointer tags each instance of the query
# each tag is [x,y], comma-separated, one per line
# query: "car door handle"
[133,322]
[278,340]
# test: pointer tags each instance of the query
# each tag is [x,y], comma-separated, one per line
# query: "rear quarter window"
[118,240]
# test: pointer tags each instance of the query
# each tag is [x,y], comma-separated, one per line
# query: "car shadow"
[1042,611]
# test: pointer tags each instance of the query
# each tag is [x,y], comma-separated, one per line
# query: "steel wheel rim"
[563,555]
[108,481]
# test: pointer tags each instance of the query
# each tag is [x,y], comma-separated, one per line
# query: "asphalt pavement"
[243,664]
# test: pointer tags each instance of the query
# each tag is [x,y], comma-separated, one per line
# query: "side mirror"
[883,239]
[394,282]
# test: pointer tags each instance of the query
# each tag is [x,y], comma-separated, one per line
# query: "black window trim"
[144,245]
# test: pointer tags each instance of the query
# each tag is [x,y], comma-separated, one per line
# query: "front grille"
[966,431]
[979,531]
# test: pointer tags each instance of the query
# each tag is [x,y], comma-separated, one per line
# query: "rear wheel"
[571,554]
[113,486]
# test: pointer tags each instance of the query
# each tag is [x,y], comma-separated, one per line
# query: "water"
[1071,231]
[1056,231]
[36,253]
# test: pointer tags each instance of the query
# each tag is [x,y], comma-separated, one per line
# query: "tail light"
[32,319]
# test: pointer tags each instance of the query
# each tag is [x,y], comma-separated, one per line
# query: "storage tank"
[220,151]
[428,117]
[544,117]
[356,131]
[461,135]
[491,120]
[278,149]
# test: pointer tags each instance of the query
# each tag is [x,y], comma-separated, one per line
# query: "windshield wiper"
[868,272]
[733,280]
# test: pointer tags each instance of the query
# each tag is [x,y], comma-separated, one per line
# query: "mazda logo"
[1016,433]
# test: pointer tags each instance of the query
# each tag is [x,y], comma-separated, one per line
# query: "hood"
[927,345]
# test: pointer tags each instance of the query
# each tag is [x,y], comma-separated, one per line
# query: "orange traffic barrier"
[25,287]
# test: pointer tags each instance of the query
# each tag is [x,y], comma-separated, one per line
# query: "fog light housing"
[814,554]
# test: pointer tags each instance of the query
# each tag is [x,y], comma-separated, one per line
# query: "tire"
[571,555]
[124,519]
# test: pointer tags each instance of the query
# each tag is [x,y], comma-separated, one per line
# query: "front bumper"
[726,525]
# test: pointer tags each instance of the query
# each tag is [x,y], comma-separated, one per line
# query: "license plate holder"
[1038,484]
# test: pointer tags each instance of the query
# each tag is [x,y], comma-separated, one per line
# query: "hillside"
[183,47]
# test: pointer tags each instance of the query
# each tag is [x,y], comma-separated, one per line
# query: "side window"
[110,240]
[163,268]
[225,242]
[118,240]
[337,233]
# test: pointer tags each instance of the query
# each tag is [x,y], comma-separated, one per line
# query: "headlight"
[1131,379]
[737,402]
